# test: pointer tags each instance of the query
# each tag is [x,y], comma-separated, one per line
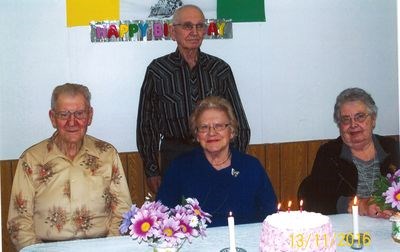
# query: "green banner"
[241,10]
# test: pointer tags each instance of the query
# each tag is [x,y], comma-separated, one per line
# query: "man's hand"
[154,183]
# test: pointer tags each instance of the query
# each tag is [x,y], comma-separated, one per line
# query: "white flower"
[194,221]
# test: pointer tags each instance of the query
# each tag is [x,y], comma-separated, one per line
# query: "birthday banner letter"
[149,30]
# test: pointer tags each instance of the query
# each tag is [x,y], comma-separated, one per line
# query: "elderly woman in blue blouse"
[221,178]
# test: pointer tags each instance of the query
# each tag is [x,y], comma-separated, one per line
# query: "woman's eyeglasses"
[218,127]
[359,117]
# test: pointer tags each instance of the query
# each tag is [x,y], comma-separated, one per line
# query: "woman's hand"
[375,211]
[371,210]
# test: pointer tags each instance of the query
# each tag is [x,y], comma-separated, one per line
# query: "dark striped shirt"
[168,96]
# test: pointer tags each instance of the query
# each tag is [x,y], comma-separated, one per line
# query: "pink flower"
[142,225]
[194,206]
[169,229]
[157,224]
[393,195]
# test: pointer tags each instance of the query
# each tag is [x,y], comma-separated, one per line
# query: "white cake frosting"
[297,231]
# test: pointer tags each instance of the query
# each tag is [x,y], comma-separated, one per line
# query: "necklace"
[223,162]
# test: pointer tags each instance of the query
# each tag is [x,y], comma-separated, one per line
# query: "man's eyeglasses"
[218,127]
[359,117]
[65,115]
[189,26]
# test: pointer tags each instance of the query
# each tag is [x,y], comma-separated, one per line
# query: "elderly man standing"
[172,87]
[71,185]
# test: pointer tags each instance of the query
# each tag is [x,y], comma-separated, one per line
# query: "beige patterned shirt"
[54,198]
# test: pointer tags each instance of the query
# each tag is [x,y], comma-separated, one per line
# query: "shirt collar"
[178,56]
[53,152]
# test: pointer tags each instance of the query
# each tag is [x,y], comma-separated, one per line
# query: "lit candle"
[355,218]
[301,206]
[231,226]
[279,207]
[289,204]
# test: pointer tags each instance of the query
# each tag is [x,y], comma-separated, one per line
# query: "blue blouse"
[243,188]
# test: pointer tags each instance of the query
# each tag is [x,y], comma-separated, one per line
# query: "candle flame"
[289,203]
[301,202]
[279,206]
[230,213]
[355,201]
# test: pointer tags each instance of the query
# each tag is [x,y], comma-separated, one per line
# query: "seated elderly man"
[71,185]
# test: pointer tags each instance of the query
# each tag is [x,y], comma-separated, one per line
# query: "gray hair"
[213,102]
[178,11]
[70,89]
[354,94]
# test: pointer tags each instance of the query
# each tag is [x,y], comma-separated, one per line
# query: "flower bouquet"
[165,227]
[387,192]
[387,196]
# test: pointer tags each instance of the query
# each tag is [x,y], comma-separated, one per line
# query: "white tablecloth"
[247,237]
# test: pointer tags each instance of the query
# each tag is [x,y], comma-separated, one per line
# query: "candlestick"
[289,205]
[231,226]
[301,206]
[355,219]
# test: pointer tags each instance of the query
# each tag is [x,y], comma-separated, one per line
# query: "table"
[247,237]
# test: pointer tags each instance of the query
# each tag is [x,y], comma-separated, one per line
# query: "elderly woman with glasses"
[349,165]
[221,178]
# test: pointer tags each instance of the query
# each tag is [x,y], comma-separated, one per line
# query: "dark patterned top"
[169,94]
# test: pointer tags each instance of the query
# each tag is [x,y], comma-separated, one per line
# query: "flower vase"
[164,249]
[395,219]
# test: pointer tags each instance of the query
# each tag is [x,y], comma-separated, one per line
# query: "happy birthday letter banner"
[150,30]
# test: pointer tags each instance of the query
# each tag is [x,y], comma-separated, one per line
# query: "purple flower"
[393,195]
[126,221]
[393,178]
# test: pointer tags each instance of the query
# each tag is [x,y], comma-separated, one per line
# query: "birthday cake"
[297,231]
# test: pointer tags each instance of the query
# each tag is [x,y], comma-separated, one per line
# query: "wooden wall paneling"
[258,151]
[136,178]
[313,147]
[293,170]
[14,164]
[7,175]
[273,167]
